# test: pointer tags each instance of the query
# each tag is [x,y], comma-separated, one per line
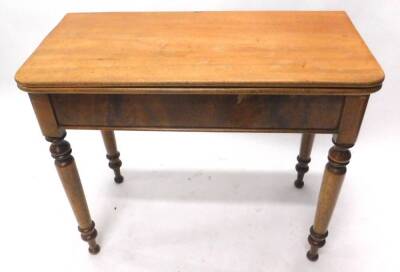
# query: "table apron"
[198,112]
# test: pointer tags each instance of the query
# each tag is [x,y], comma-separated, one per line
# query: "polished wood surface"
[91,51]
[301,72]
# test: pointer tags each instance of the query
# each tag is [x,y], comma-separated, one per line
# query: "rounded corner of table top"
[375,82]
[20,82]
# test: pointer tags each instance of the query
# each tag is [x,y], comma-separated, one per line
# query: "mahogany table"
[298,72]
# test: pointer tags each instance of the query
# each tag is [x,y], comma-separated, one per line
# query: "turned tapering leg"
[61,151]
[112,154]
[303,159]
[338,158]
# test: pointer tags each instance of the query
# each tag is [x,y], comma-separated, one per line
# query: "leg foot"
[112,154]
[94,249]
[89,235]
[312,256]
[301,168]
[316,241]
[303,159]
[115,164]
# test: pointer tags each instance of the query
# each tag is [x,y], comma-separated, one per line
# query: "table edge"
[205,89]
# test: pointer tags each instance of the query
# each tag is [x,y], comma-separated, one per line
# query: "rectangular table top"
[121,52]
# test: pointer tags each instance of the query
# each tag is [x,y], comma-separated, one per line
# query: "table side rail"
[199,112]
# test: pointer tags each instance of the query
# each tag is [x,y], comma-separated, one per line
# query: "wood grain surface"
[202,49]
